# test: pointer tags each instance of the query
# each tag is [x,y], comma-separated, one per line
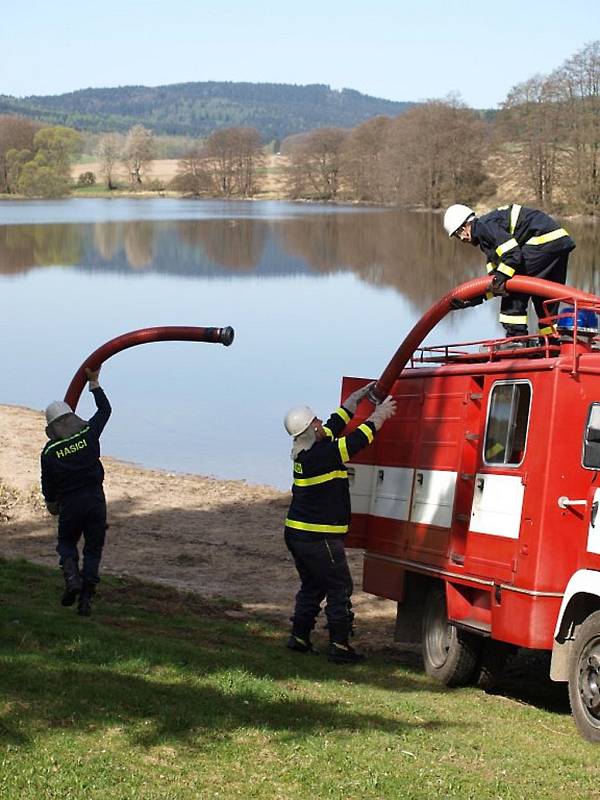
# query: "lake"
[314,293]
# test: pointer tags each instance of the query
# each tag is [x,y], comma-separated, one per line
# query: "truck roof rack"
[569,338]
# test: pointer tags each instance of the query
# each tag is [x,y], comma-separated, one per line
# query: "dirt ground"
[219,539]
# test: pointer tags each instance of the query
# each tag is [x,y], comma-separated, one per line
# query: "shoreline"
[118,194]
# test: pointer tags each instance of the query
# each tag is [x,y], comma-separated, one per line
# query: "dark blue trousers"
[83,513]
[324,574]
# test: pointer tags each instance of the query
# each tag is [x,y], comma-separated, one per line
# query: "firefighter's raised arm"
[342,415]
[362,436]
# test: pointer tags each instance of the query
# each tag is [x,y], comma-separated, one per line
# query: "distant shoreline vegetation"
[542,148]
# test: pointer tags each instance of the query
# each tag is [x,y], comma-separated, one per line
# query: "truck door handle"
[594,513]
[480,483]
[420,478]
[565,502]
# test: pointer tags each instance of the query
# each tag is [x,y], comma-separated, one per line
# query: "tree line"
[541,147]
[197,108]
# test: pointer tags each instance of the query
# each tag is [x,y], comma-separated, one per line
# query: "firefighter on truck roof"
[517,241]
[72,477]
[319,516]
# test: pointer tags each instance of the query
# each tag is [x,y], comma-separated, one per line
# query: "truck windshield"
[506,432]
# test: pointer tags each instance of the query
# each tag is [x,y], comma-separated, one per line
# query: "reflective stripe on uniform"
[62,441]
[313,526]
[368,432]
[326,476]
[506,270]
[494,450]
[547,237]
[489,295]
[509,319]
[514,216]
[341,412]
[506,246]
[490,266]
[342,447]
[547,330]
[328,432]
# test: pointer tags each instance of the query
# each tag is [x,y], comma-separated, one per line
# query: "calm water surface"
[314,293]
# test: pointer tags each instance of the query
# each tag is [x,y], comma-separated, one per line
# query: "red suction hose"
[172,333]
[466,291]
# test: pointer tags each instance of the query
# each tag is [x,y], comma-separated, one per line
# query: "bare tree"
[434,155]
[530,124]
[578,83]
[108,153]
[226,164]
[249,157]
[193,175]
[138,152]
[362,158]
[316,162]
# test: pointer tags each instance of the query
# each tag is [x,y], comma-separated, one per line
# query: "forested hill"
[196,109]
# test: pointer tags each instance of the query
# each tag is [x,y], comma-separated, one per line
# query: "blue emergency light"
[587,321]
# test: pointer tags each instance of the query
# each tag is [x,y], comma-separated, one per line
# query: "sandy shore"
[219,539]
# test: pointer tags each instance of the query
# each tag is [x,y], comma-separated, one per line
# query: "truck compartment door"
[433,497]
[497,505]
[391,497]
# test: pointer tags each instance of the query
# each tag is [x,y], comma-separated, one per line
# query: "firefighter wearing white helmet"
[456,216]
[72,477]
[298,419]
[319,517]
[516,241]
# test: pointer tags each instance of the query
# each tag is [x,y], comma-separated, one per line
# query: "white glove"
[352,401]
[383,411]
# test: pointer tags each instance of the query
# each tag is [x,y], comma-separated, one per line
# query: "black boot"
[299,640]
[84,608]
[340,652]
[72,581]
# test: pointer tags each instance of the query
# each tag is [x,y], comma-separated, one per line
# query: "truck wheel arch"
[581,598]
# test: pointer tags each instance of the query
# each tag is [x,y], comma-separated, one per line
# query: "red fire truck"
[477,505]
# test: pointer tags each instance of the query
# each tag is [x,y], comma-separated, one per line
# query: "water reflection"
[313,293]
[407,251]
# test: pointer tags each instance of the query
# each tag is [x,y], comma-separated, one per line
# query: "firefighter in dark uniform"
[72,477]
[319,517]
[517,241]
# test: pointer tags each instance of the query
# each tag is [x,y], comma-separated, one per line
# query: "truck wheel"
[449,655]
[584,679]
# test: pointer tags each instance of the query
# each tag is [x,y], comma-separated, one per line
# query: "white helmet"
[56,410]
[298,419]
[456,216]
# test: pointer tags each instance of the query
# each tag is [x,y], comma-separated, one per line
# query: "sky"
[394,50]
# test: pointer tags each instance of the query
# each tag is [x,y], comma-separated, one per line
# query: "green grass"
[160,695]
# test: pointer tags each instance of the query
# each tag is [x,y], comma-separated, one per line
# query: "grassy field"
[161,695]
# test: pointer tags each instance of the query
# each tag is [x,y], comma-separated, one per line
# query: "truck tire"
[449,655]
[584,679]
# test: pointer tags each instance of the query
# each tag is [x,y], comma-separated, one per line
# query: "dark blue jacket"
[321,493]
[518,240]
[69,465]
